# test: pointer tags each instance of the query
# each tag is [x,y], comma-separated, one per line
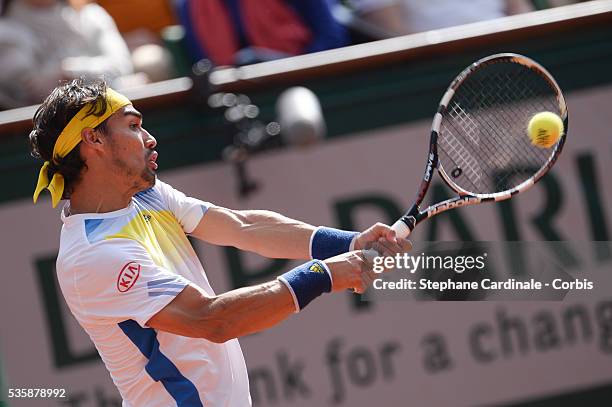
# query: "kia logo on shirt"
[128,276]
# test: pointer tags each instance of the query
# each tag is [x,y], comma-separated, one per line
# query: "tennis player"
[132,279]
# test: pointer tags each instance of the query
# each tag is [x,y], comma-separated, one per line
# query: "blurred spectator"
[386,15]
[140,22]
[557,3]
[400,17]
[44,41]
[134,15]
[238,32]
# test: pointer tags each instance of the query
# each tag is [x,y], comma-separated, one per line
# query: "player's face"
[132,154]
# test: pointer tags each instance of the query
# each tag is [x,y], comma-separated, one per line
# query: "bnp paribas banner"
[403,346]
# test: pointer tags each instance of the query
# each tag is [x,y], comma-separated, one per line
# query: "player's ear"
[91,137]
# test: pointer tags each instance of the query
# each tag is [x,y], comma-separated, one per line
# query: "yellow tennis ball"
[544,129]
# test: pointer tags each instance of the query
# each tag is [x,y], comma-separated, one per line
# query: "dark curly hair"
[53,115]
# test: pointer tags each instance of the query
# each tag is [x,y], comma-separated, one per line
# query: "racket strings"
[507,154]
[483,143]
[521,88]
[461,157]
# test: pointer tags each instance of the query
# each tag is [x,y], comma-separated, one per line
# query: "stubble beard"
[142,181]
[148,177]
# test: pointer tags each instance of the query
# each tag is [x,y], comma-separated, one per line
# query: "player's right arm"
[117,280]
[251,309]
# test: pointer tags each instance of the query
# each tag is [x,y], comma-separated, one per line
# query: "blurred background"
[321,110]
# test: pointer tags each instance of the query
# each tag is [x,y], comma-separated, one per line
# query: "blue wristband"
[307,281]
[329,242]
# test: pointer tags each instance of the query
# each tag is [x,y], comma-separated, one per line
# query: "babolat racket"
[479,139]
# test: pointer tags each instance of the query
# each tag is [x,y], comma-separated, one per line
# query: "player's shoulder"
[163,187]
[157,195]
[160,196]
[153,197]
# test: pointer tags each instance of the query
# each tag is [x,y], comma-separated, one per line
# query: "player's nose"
[149,140]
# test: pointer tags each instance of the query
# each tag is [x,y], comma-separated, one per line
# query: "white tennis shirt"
[116,271]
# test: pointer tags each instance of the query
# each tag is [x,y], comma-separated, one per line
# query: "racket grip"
[401,229]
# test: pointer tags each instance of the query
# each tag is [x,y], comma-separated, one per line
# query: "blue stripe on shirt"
[162,281]
[159,367]
[91,225]
[168,285]
[158,293]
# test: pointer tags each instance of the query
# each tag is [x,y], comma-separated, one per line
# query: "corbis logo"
[128,276]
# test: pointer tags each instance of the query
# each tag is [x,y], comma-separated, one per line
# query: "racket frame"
[406,224]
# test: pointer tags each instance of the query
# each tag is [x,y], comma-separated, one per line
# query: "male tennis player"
[131,277]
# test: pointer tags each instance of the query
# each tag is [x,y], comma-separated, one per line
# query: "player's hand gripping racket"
[479,142]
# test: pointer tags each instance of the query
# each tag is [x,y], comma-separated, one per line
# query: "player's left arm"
[276,236]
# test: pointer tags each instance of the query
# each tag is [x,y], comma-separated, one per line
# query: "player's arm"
[118,280]
[264,232]
[270,234]
[247,310]
[230,315]
[276,236]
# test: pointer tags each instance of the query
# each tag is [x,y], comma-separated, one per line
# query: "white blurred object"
[132,81]
[42,42]
[300,116]
[154,60]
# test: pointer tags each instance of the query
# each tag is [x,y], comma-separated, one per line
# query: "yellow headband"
[70,138]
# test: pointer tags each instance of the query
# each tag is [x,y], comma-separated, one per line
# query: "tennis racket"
[479,143]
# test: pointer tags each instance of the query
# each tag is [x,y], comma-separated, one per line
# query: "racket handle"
[401,229]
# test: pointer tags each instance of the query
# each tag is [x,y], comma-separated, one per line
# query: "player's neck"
[98,195]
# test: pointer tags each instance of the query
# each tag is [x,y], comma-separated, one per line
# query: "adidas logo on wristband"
[317,268]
